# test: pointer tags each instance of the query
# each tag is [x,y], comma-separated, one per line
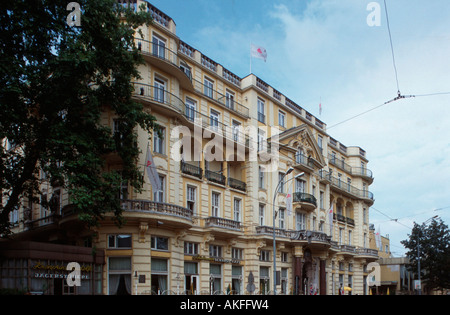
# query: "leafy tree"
[56,81]
[434,241]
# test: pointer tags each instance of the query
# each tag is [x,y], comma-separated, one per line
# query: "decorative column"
[323,279]
[298,269]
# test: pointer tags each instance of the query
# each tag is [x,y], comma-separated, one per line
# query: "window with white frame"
[281,216]
[300,221]
[281,119]
[261,177]
[215,204]
[237,209]
[158,46]
[159,90]
[160,195]
[159,243]
[190,109]
[191,198]
[261,214]
[214,119]
[190,248]
[300,185]
[215,251]
[236,130]
[261,115]
[264,255]
[229,99]
[280,180]
[208,87]
[119,241]
[159,142]
[262,140]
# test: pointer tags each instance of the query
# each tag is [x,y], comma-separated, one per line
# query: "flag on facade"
[320,107]
[330,219]
[152,173]
[289,201]
[378,239]
[259,52]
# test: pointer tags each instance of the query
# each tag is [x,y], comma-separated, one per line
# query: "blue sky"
[325,50]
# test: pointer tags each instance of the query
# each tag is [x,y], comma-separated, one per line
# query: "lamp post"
[418,254]
[273,222]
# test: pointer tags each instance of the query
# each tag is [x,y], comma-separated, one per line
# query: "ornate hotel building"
[210,228]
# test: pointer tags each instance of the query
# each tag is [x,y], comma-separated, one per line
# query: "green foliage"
[434,242]
[55,83]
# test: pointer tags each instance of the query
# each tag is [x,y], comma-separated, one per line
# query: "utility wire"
[392,47]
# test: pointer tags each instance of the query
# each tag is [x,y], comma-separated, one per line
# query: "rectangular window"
[208,88]
[237,253]
[160,195]
[190,248]
[261,214]
[300,185]
[262,140]
[159,90]
[281,119]
[119,241]
[215,251]
[321,200]
[159,142]
[281,187]
[237,209]
[190,109]
[261,115]
[261,178]
[264,255]
[214,119]
[158,47]
[229,99]
[160,243]
[215,202]
[236,126]
[281,215]
[300,221]
[191,197]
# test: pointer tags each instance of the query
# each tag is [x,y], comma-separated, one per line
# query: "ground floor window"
[191,278]
[264,280]
[119,275]
[236,280]
[215,278]
[159,276]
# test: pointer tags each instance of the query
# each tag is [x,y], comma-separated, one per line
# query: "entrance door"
[191,284]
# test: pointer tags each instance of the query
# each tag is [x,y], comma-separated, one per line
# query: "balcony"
[364,173]
[192,170]
[304,163]
[167,60]
[367,253]
[222,99]
[215,177]
[167,101]
[307,201]
[237,184]
[169,214]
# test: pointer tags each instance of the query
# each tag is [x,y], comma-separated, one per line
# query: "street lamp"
[418,254]
[273,222]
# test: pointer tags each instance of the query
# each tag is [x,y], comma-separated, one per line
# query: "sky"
[325,51]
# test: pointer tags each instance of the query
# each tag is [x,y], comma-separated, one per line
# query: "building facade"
[210,228]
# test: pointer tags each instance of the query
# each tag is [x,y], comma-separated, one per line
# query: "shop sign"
[217,259]
[60,271]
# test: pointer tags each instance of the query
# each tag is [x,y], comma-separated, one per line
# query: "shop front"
[50,269]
